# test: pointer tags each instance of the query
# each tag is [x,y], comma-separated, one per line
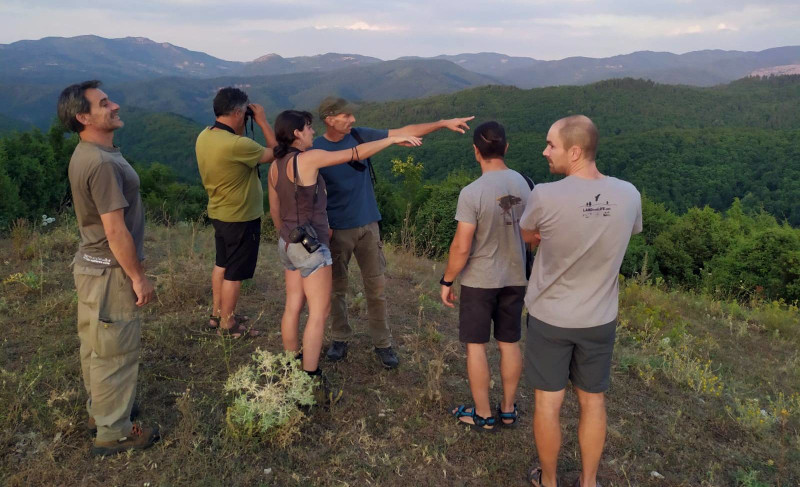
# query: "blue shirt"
[351,197]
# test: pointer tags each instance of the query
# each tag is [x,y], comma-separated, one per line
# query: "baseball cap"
[333,105]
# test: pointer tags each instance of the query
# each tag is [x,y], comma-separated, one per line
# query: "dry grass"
[392,427]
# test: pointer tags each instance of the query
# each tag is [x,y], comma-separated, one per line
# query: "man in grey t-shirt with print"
[582,225]
[489,254]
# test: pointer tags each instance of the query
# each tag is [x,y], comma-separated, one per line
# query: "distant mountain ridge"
[191,97]
[60,60]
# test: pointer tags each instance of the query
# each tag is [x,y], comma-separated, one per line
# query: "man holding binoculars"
[228,165]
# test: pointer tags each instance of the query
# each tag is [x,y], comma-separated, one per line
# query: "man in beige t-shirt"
[108,271]
[582,225]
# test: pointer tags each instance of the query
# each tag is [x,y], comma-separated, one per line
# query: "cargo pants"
[365,243]
[110,330]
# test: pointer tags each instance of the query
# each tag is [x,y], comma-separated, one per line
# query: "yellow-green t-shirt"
[228,167]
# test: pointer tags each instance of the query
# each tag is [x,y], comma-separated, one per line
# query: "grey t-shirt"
[494,203]
[102,181]
[585,225]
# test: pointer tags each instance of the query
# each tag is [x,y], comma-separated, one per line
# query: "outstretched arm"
[316,158]
[455,124]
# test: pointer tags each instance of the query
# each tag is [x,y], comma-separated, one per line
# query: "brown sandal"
[237,331]
[213,321]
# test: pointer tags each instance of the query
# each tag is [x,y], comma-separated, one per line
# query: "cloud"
[544,29]
[724,26]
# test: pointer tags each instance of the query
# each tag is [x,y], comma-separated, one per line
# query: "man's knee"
[590,400]
[508,347]
[476,349]
[374,286]
[548,402]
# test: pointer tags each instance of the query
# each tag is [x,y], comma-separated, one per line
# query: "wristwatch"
[445,283]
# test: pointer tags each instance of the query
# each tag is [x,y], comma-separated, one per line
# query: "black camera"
[306,235]
[248,114]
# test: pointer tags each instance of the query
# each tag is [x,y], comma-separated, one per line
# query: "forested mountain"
[698,68]
[275,64]
[191,97]
[167,78]
[683,146]
[9,124]
[59,60]
[151,137]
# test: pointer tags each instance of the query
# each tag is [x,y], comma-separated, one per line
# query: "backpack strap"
[368,161]
[528,252]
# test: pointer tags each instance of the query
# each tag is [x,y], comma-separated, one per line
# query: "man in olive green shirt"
[228,165]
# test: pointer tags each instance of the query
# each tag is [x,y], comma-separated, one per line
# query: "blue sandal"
[478,422]
[513,416]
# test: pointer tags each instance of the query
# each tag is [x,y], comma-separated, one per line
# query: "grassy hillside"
[704,392]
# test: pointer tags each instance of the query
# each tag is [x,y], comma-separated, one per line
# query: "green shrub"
[765,263]
[435,222]
[266,396]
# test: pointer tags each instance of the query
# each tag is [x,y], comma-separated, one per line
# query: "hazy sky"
[245,29]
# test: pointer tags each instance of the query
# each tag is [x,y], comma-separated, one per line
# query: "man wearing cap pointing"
[353,216]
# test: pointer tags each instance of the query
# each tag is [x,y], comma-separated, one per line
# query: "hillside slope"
[703,392]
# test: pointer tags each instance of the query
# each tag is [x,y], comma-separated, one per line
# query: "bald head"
[578,130]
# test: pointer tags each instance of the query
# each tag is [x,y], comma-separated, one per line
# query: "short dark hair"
[72,101]
[228,100]
[490,139]
[581,131]
[285,124]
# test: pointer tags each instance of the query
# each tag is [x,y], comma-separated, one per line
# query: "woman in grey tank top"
[297,199]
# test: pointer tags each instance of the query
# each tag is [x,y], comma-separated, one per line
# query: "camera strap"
[228,128]
[358,165]
[222,126]
[296,199]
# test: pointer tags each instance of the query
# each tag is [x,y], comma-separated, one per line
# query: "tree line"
[717,212]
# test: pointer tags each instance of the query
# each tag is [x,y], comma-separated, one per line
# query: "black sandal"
[478,422]
[513,416]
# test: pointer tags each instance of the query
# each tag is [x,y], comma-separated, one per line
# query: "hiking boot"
[138,439]
[337,351]
[91,425]
[324,393]
[387,356]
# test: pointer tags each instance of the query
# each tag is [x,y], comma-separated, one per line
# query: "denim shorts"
[295,257]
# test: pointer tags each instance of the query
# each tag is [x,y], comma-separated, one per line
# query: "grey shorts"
[554,355]
[296,258]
